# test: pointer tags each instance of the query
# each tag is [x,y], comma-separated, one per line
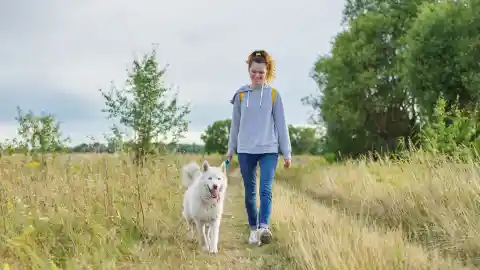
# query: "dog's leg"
[214,235]
[208,229]
[191,229]
[201,235]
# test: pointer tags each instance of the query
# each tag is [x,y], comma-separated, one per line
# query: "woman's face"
[257,73]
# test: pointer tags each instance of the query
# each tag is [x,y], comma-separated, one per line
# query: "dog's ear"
[205,165]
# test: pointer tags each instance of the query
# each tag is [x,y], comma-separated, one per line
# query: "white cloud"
[79,47]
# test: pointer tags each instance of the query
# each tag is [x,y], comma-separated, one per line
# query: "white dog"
[203,202]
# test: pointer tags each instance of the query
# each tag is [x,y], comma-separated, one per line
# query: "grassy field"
[99,212]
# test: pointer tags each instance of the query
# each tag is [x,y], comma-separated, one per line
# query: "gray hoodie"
[258,126]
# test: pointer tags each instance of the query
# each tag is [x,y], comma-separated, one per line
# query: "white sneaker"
[253,239]
[264,236]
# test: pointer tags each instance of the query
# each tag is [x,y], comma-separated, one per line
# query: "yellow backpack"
[274,93]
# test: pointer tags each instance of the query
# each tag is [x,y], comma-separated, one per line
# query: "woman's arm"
[282,128]
[234,127]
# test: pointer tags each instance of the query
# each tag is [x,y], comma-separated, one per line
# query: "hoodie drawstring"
[261,95]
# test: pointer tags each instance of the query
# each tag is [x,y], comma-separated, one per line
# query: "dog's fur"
[203,202]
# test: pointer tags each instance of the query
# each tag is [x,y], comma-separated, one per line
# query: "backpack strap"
[274,95]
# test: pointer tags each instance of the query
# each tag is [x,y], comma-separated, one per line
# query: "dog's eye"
[209,178]
[219,178]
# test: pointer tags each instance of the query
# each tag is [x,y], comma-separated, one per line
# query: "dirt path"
[234,252]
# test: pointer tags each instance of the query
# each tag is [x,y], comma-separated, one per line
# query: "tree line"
[401,75]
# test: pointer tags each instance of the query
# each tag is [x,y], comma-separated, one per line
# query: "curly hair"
[262,57]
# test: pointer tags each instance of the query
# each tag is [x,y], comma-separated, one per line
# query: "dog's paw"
[213,250]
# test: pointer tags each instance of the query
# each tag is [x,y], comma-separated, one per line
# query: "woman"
[257,132]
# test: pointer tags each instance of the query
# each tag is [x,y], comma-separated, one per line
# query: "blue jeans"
[248,169]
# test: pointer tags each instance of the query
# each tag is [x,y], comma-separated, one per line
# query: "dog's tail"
[189,173]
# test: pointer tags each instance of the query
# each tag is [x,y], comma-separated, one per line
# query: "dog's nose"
[215,186]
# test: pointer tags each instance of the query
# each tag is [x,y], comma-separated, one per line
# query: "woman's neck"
[256,86]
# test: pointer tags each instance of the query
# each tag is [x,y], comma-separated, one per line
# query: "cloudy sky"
[55,54]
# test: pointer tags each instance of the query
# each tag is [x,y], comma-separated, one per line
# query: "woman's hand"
[287,163]
[229,155]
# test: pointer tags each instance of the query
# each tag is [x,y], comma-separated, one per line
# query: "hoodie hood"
[247,89]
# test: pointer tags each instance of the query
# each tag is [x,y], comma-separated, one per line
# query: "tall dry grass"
[417,214]
[100,212]
[317,237]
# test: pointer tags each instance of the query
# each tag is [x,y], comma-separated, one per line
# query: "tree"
[216,137]
[304,140]
[455,139]
[400,71]
[115,141]
[363,101]
[144,107]
[39,133]
[441,68]
[443,55]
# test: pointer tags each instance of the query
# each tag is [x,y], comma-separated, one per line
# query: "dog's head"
[214,180]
